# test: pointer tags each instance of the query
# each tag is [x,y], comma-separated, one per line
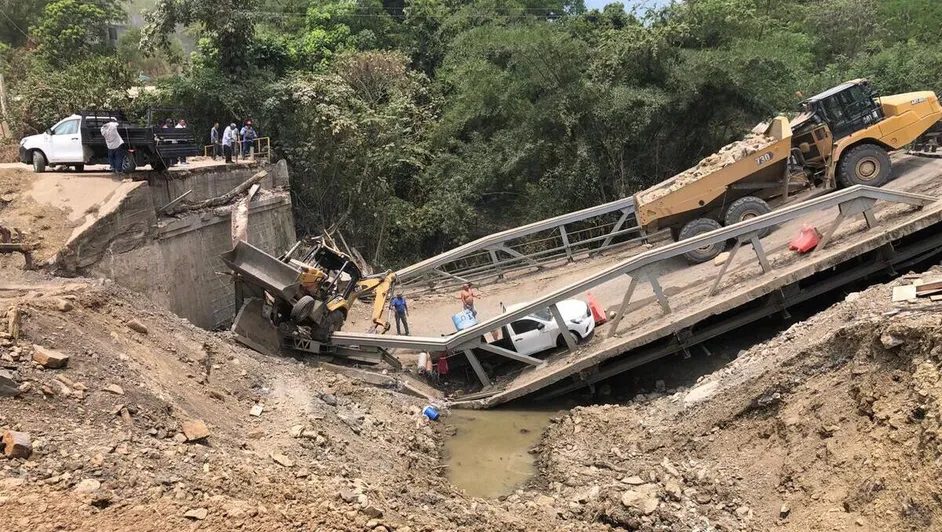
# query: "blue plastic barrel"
[431,412]
[463,320]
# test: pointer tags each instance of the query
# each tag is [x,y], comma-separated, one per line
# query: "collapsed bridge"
[664,306]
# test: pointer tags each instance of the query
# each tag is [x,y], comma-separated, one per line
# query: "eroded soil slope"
[110,451]
[832,425]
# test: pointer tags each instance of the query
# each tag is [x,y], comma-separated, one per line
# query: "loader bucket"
[261,269]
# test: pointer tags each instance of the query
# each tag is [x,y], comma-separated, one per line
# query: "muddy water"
[489,454]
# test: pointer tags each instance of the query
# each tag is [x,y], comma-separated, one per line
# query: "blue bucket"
[431,412]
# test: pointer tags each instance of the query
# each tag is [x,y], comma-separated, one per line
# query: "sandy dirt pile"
[43,224]
[726,156]
[832,425]
[150,416]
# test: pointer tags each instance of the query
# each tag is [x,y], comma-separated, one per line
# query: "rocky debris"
[114,388]
[196,514]
[329,399]
[726,156]
[642,498]
[49,358]
[64,305]
[194,430]
[136,325]
[8,385]
[282,460]
[256,410]
[16,444]
[891,341]
[784,511]
[88,485]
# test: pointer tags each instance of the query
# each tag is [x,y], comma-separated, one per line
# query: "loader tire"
[866,164]
[745,208]
[698,227]
[302,309]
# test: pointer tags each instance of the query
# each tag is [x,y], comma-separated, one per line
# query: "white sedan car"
[539,331]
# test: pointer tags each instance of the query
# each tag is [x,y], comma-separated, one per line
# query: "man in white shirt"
[115,145]
[181,125]
[228,139]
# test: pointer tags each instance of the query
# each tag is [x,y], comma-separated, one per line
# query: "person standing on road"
[181,125]
[214,140]
[228,138]
[467,295]
[115,145]
[248,136]
[401,308]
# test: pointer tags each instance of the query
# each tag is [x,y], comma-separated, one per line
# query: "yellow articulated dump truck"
[842,137]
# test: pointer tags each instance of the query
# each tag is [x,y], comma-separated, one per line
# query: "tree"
[73,30]
[19,16]
[227,26]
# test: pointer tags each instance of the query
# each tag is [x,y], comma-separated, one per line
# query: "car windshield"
[66,128]
[542,314]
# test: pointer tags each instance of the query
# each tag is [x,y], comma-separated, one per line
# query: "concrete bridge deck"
[904,234]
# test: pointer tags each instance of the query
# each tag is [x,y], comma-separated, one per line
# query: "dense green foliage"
[415,125]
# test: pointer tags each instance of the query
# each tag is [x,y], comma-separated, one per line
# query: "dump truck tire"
[698,227]
[302,309]
[745,208]
[866,164]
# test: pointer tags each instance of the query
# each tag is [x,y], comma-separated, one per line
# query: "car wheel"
[561,342]
[79,168]
[39,162]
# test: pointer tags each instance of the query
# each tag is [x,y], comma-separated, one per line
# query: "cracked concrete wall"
[175,260]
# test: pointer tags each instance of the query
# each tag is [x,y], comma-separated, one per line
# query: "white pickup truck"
[538,332]
[77,140]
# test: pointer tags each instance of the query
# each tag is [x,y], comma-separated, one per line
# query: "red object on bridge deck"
[807,239]
[598,313]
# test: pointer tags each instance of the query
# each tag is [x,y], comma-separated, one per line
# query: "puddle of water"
[489,454]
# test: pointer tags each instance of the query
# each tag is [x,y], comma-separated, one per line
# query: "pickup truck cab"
[539,332]
[77,140]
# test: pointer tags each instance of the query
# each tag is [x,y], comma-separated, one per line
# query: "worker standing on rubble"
[401,308]
[467,295]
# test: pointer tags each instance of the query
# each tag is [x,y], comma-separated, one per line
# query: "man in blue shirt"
[398,304]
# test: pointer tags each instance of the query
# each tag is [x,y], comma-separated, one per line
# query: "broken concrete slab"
[49,358]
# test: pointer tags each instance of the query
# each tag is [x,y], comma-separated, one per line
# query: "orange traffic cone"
[598,313]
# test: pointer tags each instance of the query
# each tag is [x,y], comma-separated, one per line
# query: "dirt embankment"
[45,225]
[832,425]
[110,447]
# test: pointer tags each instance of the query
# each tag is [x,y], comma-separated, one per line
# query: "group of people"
[400,307]
[180,124]
[233,141]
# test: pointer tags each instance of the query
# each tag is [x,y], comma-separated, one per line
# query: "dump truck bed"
[263,270]
[689,195]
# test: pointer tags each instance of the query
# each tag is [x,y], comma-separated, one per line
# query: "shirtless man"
[467,295]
